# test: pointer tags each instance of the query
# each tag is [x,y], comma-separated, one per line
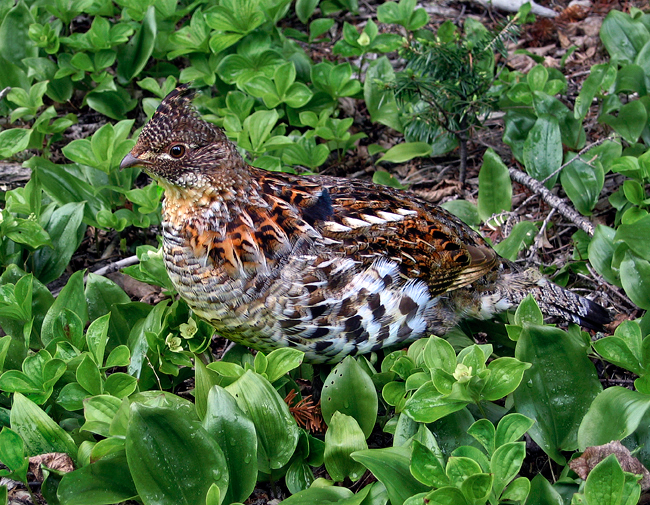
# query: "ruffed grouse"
[329,266]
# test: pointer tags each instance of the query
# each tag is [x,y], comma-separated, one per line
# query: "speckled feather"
[330,266]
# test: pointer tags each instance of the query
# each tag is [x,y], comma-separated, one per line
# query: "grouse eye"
[177,151]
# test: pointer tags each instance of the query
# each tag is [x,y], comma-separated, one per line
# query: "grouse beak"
[132,161]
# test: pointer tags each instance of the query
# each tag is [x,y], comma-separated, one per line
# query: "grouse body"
[327,265]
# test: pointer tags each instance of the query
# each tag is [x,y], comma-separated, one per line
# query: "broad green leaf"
[12,453]
[426,467]
[630,122]
[13,141]
[120,384]
[391,466]
[386,179]
[299,476]
[557,390]
[104,482]
[320,496]
[542,493]
[511,428]
[277,432]
[428,405]
[88,376]
[39,432]
[616,351]
[635,277]
[159,441]
[133,56]
[605,482]
[521,236]
[623,36]
[494,186]
[66,231]
[528,312]
[459,468]
[343,437]
[601,251]
[282,361]
[231,428]
[582,184]
[96,338]
[101,294]
[483,431]
[349,390]
[15,44]
[380,101]
[463,210]
[543,149]
[636,236]
[71,297]
[405,152]
[438,353]
[505,376]
[506,463]
[613,415]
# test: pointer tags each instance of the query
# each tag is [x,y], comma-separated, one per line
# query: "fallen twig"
[553,200]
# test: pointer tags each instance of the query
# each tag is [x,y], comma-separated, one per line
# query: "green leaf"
[494,186]
[463,210]
[231,428]
[505,376]
[12,454]
[623,37]
[630,122]
[601,251]
[282,361]
[349,390]
[583,184]
[543,149]
[635,277]
[133,56]
[506,463]
[104,482]
[613,415]
[483,431]
[528,312]
[277,432]
[39,432]
[428,404]
[521,236]
[439,354]
[391,466]
[101,294]
[321,496]
[385,179]
[557,390]
[380,100]
[15,44]
[66,230]
[72,298]
[120,384]
[13,141]
[511,428]
[426,467]
[96,338]
[88,376]
[305,8]
[405,152]
[542,493]
[605,482]
[159,441]
[343,437]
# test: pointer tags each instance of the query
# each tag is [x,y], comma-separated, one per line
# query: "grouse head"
[179,149]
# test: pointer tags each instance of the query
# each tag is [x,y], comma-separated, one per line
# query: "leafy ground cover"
[111,390]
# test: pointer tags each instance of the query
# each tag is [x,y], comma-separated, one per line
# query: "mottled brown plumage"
[327,265]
